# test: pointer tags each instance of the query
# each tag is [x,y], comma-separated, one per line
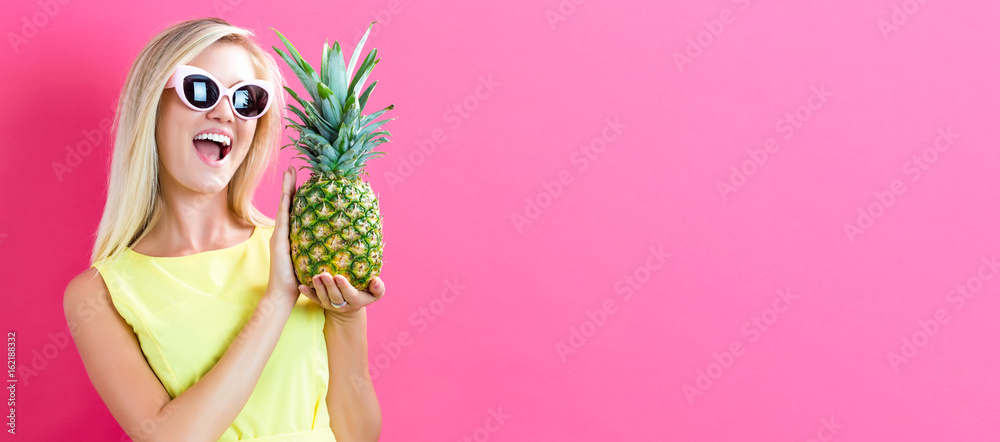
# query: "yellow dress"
[185,312]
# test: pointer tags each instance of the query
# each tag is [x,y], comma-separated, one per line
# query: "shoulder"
[84,289]
[262,235]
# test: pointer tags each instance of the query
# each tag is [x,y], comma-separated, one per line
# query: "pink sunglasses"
[200,91]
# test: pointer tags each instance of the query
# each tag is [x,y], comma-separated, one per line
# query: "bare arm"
[350,398]
[355,414]
[132,392]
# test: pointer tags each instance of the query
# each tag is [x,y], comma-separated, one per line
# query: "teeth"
[224,140]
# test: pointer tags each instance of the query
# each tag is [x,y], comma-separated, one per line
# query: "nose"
[222,112]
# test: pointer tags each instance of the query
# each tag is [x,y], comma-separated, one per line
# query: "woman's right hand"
[282,283]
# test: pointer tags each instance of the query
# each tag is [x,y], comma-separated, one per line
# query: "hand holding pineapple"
[332,290]
[282,280]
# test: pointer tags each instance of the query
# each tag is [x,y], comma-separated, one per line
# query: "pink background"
[511,343]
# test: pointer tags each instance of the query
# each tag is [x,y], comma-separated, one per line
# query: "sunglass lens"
[250,100]
[200,91]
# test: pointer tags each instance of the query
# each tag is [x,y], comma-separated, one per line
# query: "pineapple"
[335,224]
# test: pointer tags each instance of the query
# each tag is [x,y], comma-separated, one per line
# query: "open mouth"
[212,147]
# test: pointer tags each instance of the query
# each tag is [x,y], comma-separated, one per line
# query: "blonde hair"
[134,201]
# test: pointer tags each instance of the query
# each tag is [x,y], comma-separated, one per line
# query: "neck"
[193,222]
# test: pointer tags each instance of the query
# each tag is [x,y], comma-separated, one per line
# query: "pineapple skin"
[336,227]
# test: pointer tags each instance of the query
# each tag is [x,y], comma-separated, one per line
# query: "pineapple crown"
[334,137]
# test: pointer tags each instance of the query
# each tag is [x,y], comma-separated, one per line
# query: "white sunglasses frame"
[176,82]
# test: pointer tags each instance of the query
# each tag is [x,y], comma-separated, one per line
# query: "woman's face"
[182,165]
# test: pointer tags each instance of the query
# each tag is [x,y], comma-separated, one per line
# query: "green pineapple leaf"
[312,116]
[369,128]
[342,140]
[371,117]
[327,151]
[335,77]
[305,72]
[324,68]
[298,113]
[364,97]
[363,72]
[329,106]
[364,158]
[357,49]
[351,111]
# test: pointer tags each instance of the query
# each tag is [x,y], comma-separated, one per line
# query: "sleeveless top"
[186,311]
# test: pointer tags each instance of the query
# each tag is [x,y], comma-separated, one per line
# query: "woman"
[208,338]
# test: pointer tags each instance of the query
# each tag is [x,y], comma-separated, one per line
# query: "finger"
[287,187]
[334,289]
[309,293]
[349,293]
[376,288]
[333,292]
[321,292]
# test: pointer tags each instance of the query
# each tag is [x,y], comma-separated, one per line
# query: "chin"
[210,184]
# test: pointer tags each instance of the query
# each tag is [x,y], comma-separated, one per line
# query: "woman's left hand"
[330,291]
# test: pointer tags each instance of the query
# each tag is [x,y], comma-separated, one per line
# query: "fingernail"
[378,282]
[338,279]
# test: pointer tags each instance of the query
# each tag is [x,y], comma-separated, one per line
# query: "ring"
[339,305]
